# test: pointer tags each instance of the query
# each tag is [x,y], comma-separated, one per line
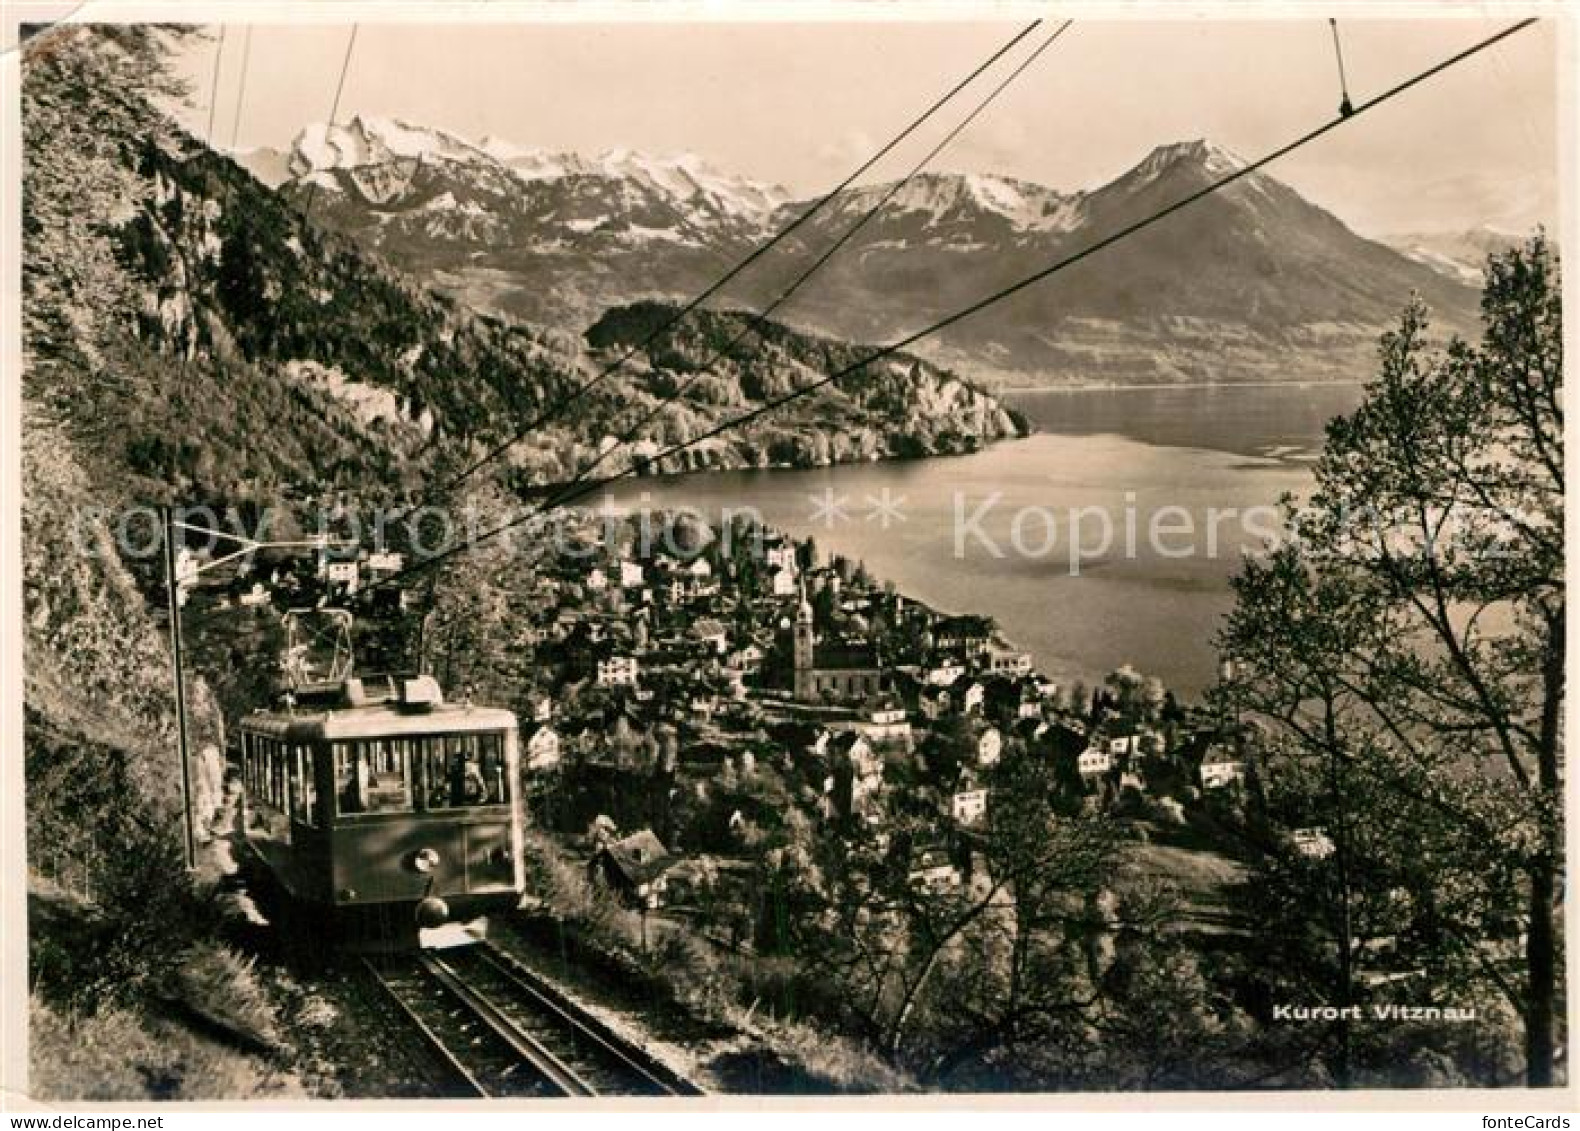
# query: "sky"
[802,104]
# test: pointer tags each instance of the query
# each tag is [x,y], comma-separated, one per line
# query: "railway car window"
[373,776]
[317,809]
[463,770]
[276,776]
[290,779]
[304,795]
[350,779]
[491,752]
[388,788]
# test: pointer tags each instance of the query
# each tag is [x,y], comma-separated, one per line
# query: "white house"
[1221,767]
[187,566]
[1094,760]
[970,801]
[933,870]
[886,714]
[631,575]
[699,568]
[944,672]
[748,658]
[255,597]
[1002,662]
[782,582]
[346,573]
[385,563]
[781,556]
[990,744]
[617,671]
[597,580]
[887,721]
[1314,844]
[542,748]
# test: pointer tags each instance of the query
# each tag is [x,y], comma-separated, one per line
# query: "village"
[696,703]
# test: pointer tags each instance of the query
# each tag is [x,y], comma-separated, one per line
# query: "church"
[844,673]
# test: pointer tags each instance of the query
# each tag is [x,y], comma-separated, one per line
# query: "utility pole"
[173,603]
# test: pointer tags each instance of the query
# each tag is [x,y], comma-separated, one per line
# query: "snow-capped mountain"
[1460,256]
[498,189]
[374,141]
[1230,288]
[965,210]
[1238,285]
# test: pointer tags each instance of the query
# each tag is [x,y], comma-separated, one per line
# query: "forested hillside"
[725,363]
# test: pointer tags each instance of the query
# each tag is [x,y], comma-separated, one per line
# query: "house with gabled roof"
[969,802]
[634,868]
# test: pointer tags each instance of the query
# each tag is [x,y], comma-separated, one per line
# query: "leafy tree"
[1409,640]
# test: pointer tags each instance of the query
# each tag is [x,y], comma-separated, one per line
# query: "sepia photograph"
[701,551]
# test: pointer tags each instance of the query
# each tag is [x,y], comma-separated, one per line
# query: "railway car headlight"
[432,912]
[424,861]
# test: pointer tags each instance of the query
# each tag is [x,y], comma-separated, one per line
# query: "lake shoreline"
[1188,386]
[1133,452]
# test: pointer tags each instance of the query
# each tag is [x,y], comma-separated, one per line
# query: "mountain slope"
[1251,282]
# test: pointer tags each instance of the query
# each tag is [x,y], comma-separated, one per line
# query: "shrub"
[113,1055]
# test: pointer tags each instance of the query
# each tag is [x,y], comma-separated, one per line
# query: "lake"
[1106,538]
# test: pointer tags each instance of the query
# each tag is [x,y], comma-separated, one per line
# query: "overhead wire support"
[760,319]
[734,272]
[995,297]
[1345,107]
[172,580]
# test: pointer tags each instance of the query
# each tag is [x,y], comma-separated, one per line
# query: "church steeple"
[804,641]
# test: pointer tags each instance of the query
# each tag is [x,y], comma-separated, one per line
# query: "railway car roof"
[376,721]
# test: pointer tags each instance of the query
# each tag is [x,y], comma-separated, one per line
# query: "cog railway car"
[381,813]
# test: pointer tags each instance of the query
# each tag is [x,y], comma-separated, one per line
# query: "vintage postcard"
[703,553]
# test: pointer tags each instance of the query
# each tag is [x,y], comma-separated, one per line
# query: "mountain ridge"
[1224,290]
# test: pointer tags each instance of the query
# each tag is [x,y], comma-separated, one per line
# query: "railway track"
[497,1029]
